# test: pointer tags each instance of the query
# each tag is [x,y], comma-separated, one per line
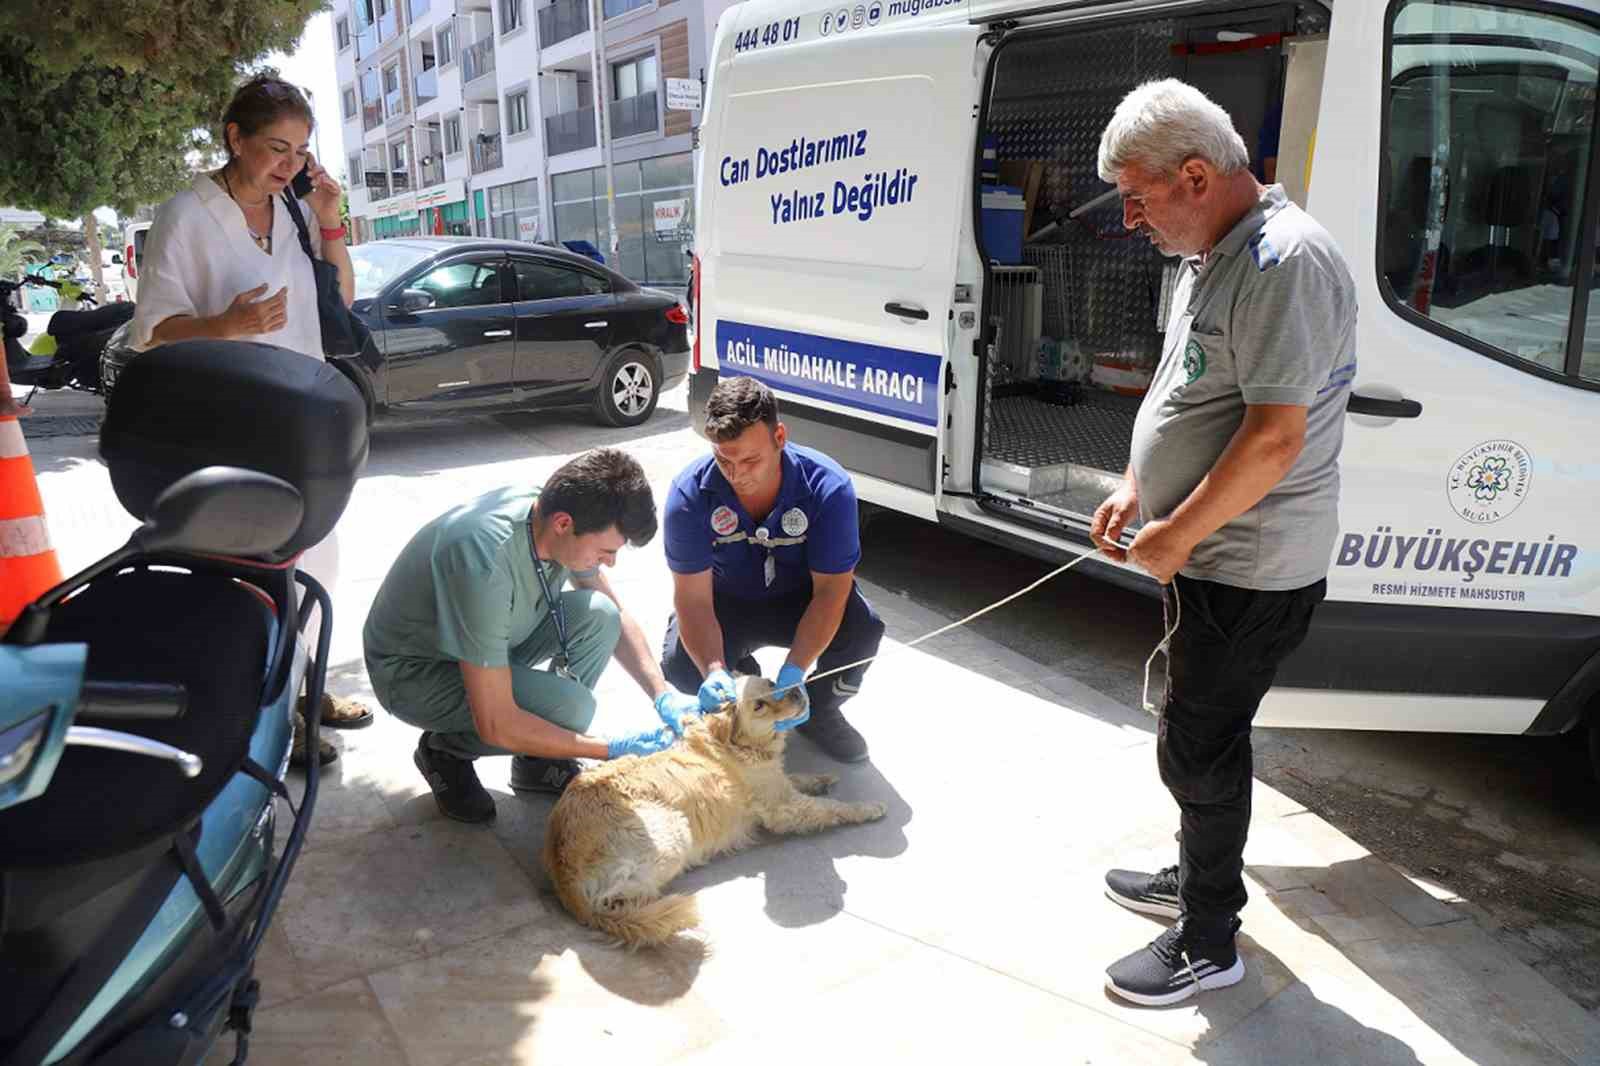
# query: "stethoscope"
[561,664]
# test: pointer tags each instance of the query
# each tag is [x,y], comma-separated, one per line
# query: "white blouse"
[199,256]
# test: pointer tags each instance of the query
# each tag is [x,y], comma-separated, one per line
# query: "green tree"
[16,252]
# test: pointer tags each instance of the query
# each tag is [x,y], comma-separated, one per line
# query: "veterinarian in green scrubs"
[476,602]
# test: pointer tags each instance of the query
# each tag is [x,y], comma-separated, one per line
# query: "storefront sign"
[448,192]
[683,94]
[528,228]
[669,215]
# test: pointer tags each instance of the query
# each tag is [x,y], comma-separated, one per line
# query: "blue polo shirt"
[812,527]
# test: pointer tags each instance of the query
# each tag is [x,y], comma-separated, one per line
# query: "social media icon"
[858,17]
[827,23]
[874,13]
[841,19]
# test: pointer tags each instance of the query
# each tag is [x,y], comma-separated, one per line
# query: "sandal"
[326,753]
[339,712]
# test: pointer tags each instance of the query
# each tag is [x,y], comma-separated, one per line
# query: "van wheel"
[629,388]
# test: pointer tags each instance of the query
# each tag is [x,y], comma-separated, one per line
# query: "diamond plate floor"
[37,427]
[1093,432]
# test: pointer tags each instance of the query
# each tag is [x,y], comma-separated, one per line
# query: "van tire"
[630,388]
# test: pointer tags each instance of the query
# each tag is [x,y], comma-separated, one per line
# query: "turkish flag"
[438,221]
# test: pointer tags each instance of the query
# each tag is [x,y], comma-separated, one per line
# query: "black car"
[464,323]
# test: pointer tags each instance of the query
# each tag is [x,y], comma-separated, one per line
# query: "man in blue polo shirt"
[763,541]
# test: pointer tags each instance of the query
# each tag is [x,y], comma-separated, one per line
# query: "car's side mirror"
[410,301]
[116,260]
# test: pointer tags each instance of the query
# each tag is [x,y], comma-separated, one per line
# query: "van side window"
[1482,228]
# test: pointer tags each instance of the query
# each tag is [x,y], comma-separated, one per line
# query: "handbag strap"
[299,224]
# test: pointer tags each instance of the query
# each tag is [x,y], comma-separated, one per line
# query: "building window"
[1483,190]
[349,96]
[655,216]
[633,77]
[510,16]
[341,30]
[418,8]
[514,211]
[445,46]
[452,136]
[355,175]
[614,8]
[517,113]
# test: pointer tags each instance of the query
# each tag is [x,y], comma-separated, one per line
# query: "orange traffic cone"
[28,565]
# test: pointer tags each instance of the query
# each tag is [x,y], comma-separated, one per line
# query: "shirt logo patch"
[795,522]
[724,521]
[1194,362]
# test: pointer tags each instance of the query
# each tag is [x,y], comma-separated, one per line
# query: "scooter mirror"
[222,510]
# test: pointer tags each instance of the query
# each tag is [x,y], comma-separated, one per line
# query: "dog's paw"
[813,784]
[871,812]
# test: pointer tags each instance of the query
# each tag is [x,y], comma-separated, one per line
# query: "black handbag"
[342,332]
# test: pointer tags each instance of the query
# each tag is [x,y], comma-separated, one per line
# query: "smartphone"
[301,185]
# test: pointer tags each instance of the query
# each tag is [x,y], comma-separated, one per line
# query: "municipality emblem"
[795,522]
[724,521]
[1490,481]
[1194,362]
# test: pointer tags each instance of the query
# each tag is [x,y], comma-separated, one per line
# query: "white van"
[133,238]
[856,260]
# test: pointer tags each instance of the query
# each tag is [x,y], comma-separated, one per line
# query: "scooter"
[146,711]
[67,356]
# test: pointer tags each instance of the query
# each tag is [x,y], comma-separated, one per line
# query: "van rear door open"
[830,272]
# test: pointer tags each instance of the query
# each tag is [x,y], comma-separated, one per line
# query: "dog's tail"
[635,923]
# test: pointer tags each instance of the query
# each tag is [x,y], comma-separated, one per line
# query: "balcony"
[634,115]
[561,20]
[388,25]
[477,60]
[377,186]
[570,131]
[400,181]
[371,115]
[432,170]
[426,85]
[613,8]
[418,8]
[485,152]
[366,38]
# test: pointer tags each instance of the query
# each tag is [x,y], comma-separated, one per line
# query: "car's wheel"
[629,389]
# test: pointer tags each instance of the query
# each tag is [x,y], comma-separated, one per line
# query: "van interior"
[1078,321]
[1479,208]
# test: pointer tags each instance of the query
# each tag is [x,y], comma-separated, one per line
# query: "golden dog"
[625,828]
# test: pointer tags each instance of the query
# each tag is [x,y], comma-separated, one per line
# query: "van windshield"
[376,264]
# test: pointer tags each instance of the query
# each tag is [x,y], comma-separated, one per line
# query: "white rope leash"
[1057,572]
[1165,645]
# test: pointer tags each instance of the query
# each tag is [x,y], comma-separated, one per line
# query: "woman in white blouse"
[223,261]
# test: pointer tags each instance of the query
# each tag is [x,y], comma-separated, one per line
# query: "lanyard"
[561,664]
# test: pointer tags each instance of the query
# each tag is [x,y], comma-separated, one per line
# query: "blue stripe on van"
[867,377]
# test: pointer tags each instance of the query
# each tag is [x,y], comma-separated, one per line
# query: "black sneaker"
[829,731]
[1155,893]
[530,773]
[455,784]
[1176,965]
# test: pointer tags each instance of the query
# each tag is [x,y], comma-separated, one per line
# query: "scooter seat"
[209,633]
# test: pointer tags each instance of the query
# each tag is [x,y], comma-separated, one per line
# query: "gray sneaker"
[530,773]
[1155,893]
[456,788]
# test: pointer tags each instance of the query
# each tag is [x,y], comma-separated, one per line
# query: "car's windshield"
[376,264]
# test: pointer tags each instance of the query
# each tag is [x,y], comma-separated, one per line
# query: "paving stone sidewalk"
[970,924]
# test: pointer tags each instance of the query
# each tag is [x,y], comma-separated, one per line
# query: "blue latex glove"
[647,743]
[792,675]
[675,708]
[717,689]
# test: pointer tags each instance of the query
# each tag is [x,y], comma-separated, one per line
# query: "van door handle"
[905,310]
[497,333]
[1372,405]
[602,324]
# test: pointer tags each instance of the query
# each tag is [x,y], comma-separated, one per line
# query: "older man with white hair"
[1234,474]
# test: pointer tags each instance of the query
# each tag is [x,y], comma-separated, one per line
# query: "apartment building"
[478,117]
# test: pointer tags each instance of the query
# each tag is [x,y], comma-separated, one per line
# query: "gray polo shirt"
[1268,318]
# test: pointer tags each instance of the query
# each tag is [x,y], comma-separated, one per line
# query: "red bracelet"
[333,234]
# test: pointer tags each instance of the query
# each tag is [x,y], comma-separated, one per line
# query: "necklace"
[262,240]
